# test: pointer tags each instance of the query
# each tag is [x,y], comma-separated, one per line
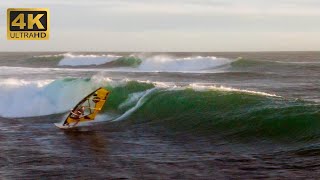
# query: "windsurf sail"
[91,106]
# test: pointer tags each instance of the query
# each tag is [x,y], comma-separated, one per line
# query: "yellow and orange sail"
[93,104]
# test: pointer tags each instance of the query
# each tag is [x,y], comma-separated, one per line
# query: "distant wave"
[127,61]
[243,62]
[155,63]
[300,63]
[85,60]
[172,64]
[135,62]
[50,56]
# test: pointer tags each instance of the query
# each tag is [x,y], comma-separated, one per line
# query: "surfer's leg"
[76,123]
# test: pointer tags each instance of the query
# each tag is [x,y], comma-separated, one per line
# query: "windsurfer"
[77,114]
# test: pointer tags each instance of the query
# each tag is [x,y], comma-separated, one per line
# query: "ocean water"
[169,115]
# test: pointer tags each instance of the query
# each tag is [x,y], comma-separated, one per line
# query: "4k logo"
[28,24]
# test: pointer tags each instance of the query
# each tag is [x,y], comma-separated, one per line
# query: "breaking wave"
[230,112]
[169,64]
[21,98]
[127,61]
[86,60]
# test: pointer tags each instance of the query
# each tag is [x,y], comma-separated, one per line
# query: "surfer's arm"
[75,114]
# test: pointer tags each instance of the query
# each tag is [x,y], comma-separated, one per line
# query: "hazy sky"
[172,25]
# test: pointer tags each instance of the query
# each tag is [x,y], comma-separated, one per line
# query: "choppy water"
[169,115]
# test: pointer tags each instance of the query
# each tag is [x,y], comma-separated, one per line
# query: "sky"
[172,25]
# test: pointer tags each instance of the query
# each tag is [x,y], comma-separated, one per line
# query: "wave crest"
[170,64]
[86,60]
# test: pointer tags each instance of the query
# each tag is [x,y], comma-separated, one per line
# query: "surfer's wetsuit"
[78,114]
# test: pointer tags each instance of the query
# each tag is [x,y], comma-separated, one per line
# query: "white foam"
[47,56]
[14,83]
[20,98]
[158,83]
[84,60]
[199,87]
[137,106]
[170,64]
[133,98]
[7,70]
[300,62]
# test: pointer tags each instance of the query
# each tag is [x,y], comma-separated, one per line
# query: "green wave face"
[250,63]
[129,61]
[121,93]
[230,114]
